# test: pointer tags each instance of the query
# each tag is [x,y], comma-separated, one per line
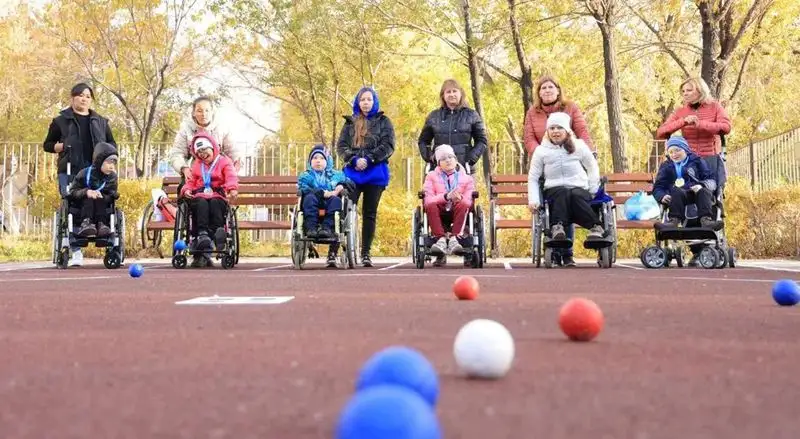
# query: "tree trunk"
[710,37]
[613,100]
[526,78]
[474,78]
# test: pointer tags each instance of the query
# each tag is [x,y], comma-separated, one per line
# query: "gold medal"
[679,182]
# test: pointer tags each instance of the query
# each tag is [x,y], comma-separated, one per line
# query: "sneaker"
[326,233]
[557,232]
[439,247]
[87,229]
[568,261]
[311,232]
[76,258]
[454,247]
[672,222]
[103,230]
[204,243]
[331,263]
[366,261]
[596,232]
[708,222]
[220,238]
[209,262]
[440,261]
[198,261]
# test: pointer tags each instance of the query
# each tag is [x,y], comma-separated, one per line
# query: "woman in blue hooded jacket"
[365,145]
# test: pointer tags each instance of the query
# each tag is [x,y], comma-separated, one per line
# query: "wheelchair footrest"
[106,241]
[557,243]
[672,233]
[596,244]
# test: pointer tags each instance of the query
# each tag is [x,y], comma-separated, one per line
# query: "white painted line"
[236,300]
[433,272]
[767,267]
[19,267]
[393,266]
[37,279]
[628,266]
[507,265]
[709,279]
[271,268]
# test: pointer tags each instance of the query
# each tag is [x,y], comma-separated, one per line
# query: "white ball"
[484,349]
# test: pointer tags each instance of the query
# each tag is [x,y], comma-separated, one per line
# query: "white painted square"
[236,300]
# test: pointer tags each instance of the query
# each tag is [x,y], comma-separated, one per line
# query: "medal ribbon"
[207,175]
[679,167]
[88,177]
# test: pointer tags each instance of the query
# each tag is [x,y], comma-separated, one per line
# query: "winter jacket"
[64,128]
[180,153]
[223,174]
[377,148]
[325,180]
[703,138]
[695,171]
[93,178]
[462,128]
[578,169]
[536,123]
[435,188]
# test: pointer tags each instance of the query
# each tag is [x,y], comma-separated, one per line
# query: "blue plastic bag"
[641,207]
[632,208]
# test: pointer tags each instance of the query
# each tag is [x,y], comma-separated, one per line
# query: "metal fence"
[769,163]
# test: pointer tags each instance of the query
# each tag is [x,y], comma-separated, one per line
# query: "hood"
[376,106]
[102,151]
[319,148]
[208,138]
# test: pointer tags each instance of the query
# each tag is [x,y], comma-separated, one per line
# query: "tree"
[134,49]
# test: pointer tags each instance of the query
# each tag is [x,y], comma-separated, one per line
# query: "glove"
[666,199]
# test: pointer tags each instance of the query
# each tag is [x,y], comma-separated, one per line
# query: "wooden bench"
[512,190]
[270,190]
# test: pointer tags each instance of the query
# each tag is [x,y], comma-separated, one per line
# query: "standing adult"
[548,99]
[365,144]
[454,124]
[73,135]
[702,121]
[202,120]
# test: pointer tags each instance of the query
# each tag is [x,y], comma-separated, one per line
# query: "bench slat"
[509,178]
[515,189]
[631,177]
[632,224]
[254,189]
[511,201]
[514,224]
[256,179]
[264,201]
[632,187]
[265,225]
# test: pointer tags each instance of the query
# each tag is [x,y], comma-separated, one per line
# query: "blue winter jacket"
[326,180]
[695,171]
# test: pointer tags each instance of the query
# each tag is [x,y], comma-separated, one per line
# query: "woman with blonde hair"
[365,144]
[454,124]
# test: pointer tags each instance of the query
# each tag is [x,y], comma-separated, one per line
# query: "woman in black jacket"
[365,145]
[453,124]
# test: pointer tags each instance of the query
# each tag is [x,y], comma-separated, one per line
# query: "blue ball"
[401,366]
[388,412]
[785,292]
[136,270]
[180,245]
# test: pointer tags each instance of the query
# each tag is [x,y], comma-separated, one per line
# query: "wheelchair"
[670,240]
[345,227]
[543,244]
[474,243]
[65,227]
[229,254]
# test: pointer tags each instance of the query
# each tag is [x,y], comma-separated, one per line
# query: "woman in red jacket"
[702,121]
[549,99]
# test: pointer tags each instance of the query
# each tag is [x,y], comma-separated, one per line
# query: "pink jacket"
[435,188]
[223,176]
[536,121]
[703,138]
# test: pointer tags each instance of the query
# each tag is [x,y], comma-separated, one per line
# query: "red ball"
[466,288]
[580,319]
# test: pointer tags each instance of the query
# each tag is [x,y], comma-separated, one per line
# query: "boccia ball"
[580,319]
[136,270]
[785,292]
[400,366]
[388,412]
[484,349]
[180,245]
[466,288]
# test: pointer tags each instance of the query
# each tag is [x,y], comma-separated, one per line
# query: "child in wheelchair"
[448,196]
[213,182]
[93,190]
[685,179]
[321,188]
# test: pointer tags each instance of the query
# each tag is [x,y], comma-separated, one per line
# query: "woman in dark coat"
[365,145]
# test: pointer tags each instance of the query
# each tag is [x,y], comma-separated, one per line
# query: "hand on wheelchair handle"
[534,207]
[666,199]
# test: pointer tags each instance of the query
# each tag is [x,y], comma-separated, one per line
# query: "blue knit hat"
[375,104]
[679,142]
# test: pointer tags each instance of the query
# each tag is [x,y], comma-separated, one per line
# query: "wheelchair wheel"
[708,257]
[722,258]
[536,237]
[236,247]
[56,235]
[352,235]
[180,230]
[153,236]
[654,257]
[299,246]
[112,260]
[228,261]
[420,260]
[605,257]
[179,261]
[479,226]
[548,257]
[731,257]
[415,226]
[120,245]
[679,256]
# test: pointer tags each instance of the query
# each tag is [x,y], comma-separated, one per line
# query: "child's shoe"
[220,237]
[439,247]
[596,232]
[568,260]
[454,247]
[557,232]
[709,222]
[672,222]
[103,230]
[331,263]
[198,261]
[203,242]
[87,229]
[325,233]
[311,232]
